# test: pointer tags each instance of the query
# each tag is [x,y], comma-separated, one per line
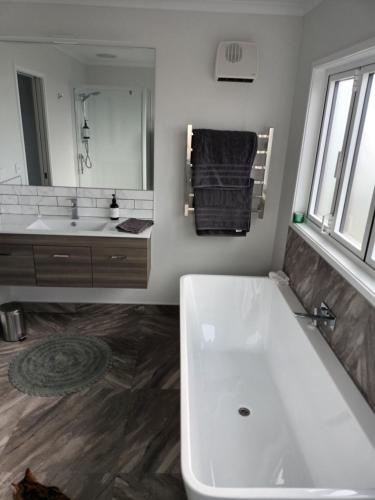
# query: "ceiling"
[276,7]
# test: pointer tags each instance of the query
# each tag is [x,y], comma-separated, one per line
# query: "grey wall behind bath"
[185,92]
[330,27]
[353,339]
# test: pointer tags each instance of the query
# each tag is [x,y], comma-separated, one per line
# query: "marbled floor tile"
[45,324]
[49,307]
[81,442]
[161,326]
[12,402]
[80,432]
[166,311]
[99,309]
[124,359]
[76,486]
[149,487]
[152,434]
[80,486]
[158,365]
[106,324]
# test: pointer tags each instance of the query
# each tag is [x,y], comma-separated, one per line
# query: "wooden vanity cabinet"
[74,261]
[17,265]
[63,266]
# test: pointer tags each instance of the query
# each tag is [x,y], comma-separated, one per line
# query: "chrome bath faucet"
[74,202]
[322,316]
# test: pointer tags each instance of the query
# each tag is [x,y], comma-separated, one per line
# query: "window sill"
[353,272]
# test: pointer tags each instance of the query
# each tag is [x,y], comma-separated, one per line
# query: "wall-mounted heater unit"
[236,62]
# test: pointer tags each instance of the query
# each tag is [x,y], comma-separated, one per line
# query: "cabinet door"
[17,265]
[120,267]
[63,266]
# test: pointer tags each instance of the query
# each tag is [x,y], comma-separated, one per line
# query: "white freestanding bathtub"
[267,411]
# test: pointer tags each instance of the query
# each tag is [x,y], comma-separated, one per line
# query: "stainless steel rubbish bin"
[12,323]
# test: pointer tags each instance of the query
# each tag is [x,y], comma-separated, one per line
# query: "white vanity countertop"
[19,224]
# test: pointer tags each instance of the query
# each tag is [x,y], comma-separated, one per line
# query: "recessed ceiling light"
[106,55]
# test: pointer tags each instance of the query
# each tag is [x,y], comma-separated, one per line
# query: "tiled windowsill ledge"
[355,273]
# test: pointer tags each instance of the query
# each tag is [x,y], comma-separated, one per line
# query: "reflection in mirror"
[76,115]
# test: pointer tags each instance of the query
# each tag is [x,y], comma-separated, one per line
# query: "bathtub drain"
[244,412]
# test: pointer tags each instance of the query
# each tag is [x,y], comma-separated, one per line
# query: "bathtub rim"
[355,400]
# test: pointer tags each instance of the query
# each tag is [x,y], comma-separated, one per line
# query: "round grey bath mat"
[61,365]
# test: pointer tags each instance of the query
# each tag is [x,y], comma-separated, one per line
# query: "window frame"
[325,129]
[347,163]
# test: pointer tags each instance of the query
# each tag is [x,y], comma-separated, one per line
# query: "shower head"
[84,97]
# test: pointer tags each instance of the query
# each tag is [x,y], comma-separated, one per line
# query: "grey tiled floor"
[117,440]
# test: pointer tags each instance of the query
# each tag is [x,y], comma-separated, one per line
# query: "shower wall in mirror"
[76,115]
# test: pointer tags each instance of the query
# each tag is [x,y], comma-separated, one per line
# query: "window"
[344,178]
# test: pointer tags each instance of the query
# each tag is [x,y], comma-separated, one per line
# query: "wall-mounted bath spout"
[322,316]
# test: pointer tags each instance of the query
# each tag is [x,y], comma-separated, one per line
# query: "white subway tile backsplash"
[29,210]
[38,200]
[94,212]
[47,210]
[25,190]
[95,193]
[122,203]
[87,202]
[5,189]
[130,194]
[63,201]
[47,200]
[139,214]
[92,202]
[9,199]
[11,209]
[144,204]
[28,200]
[57,191]
[103,202]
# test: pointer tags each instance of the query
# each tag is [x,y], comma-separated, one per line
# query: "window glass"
[331,146]
[362,181]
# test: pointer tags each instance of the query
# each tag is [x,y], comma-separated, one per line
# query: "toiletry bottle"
[114,209]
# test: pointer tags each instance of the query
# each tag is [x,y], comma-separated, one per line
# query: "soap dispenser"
[114,209]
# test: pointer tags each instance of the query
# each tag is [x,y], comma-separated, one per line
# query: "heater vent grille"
[233,53]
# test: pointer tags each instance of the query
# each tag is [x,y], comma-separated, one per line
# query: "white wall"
[332,26]
[186,92]
[58,71]
[121,76]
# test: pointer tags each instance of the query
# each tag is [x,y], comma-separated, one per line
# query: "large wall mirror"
[76,115]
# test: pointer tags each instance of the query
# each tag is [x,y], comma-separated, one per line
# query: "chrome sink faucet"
[74,202]
[322,316]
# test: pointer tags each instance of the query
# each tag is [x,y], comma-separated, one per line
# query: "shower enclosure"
[113,133]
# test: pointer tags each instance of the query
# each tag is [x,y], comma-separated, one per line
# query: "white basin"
[67,225]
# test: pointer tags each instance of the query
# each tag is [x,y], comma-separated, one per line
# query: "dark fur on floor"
[30,489]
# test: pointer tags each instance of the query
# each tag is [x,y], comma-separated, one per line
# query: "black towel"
[223,211]
[222,158]
[222,161]
[134,226]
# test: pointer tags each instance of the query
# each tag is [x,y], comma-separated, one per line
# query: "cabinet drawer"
[63,266]
[119,267]
[17,265]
